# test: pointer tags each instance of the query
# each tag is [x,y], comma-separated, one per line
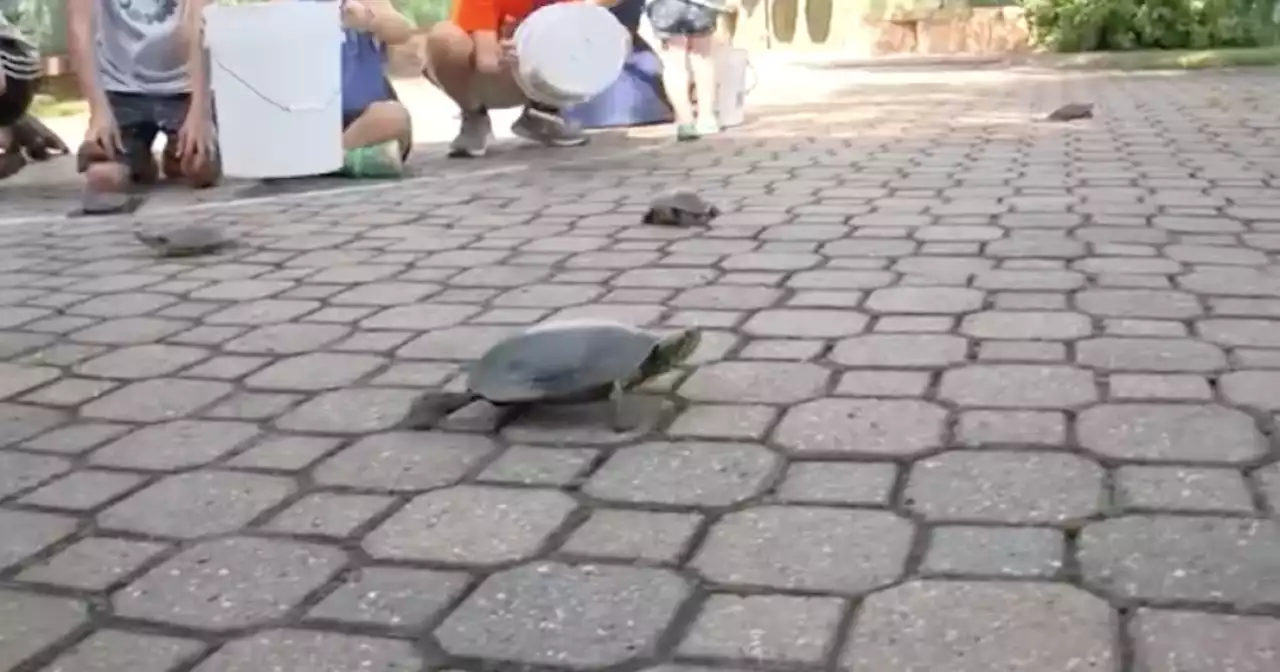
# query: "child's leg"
[702,64]
[675,76]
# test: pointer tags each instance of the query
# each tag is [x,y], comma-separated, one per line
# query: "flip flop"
[95,204]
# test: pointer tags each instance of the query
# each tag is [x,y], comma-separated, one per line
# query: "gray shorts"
[681,18]
[141,118]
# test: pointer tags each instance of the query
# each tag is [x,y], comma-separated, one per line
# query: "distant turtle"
[1071,112]
[560,362]
[186,241]
[682,208]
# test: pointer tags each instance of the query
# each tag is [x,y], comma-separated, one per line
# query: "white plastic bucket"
[568,53]
[732,65]
[276,75]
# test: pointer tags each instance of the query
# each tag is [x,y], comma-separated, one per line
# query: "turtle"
[682,208]
[1071,112]
[186,241]
[560,362]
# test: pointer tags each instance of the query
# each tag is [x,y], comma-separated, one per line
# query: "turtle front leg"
[430,409]
[619,419]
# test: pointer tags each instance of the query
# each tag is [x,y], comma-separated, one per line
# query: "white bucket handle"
[755,78]
[313,107]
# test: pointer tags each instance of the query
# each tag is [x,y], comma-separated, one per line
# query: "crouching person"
[141,67]
[468,59]
[376,128]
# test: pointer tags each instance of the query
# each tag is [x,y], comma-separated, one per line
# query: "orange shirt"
[478,15]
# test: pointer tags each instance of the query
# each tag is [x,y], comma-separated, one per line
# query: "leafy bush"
[1120,25]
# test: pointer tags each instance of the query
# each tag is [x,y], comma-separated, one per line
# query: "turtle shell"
[560,359]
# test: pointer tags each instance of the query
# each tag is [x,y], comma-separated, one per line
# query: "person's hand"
[103,133]
[195,142]
[489,61]
[356,14]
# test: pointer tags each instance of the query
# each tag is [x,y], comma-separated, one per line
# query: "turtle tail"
[431,408]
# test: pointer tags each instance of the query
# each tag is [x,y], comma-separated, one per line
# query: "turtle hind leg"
[620,420]
[431,408]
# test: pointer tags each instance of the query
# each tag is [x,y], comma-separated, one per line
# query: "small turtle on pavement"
[560,362]
[1071,112]
[186,241]
[682,208]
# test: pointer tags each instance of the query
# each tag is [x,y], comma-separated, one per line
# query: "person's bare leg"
[702,65]
[451,63]
[383,121]
[675,77]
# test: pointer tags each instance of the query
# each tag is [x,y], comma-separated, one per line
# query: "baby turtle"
[1071,112]
[682,207]
[561,362]
[186,241]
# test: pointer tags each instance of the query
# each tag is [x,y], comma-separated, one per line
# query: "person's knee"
[106,176]
[388,114]
[448,45]
[201,172]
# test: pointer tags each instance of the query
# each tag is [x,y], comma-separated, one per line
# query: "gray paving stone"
[1185,489]
[130,331]
[580,617]
[1150,354]
[530,465]
[473,525]
[392,596]
[1252,388]
[116,650]
[764,628]
[866,427]
[19,471]
[30,623]
[1027,325]
[1268,480]
[883,383]
[229,583]
[156,400]
[1224,560]
[357,410]
[1130,303]
[286,339]
[993,551]
[285,453]
[685,474]
[860,483]
[140,362]
[405,461]
[16,379]
[904,350]
[1005,486]
[93,563]
[1018,386]
[69,440]
[307,651]
[1141,387]
[975,627]
[26,533]
[755,382]
[634,535]
[805,323]
[1172,641]
[723,421]
[314,372]
[261,312]
[1170,433]
[806,548]
[83,490]
[927,300]
[175,445]
[224,501]
[329,514]
[69,392]
[980,428]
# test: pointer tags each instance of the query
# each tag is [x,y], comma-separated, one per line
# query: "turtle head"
[667,354]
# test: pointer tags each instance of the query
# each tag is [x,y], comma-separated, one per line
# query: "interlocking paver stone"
[870,427]
[686,473]
[565,615]
[1225,560]
[307,651]
[755,382]
[761,628]
[1018,386]
[1173,640]
[806,548]
[229,583]
[19,471]
[976,627]
[1150,354]
[1179,488]
[196,504]
[27,532]
[1170,433]
[903,350]
[29,623]
[994,551]
[391,596]
[174,445]
[470,524]
[93,563]
[115,650]
[405,461]
[1005,486]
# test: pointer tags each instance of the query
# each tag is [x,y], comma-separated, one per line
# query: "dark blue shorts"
[141,117]
[680,18]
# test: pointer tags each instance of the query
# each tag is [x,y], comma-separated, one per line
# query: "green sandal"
[375,161]
[686,132]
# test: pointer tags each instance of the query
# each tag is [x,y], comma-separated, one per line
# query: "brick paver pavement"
[976,394]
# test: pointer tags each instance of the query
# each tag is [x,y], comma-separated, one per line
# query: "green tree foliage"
[1121,25]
